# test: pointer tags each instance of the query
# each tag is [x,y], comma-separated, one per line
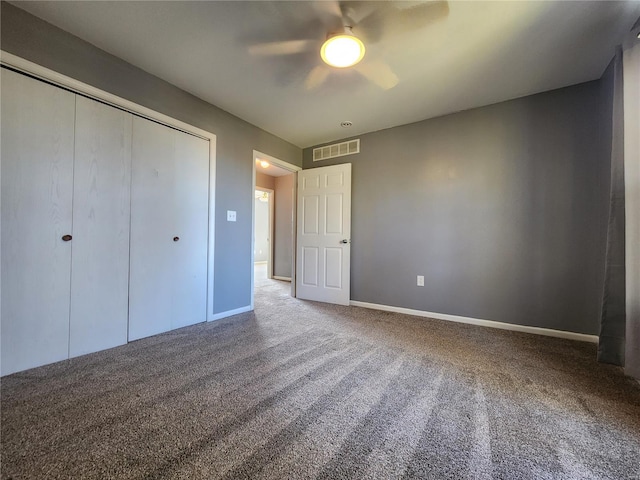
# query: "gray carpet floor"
[303,390]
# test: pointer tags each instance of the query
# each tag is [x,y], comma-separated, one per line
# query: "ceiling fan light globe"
[342,51]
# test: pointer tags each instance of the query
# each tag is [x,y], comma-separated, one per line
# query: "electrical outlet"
[421,280]
[231,216]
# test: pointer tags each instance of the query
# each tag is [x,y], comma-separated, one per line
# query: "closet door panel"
[101,215]
[191,192]
[152,227]
[169,229]
[37,175]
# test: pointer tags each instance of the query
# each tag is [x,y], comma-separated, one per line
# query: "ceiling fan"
[350,26]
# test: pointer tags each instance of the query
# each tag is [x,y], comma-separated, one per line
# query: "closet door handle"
[175,239]
[66,238]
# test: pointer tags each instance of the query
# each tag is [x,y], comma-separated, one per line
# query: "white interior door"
[324,234]
[37,175]
[101,215]
[169,229]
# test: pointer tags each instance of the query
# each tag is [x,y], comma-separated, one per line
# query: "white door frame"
[293,169]
[55,78]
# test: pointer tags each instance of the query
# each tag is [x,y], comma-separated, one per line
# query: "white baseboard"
[285,279]
[483,323]
[228,313]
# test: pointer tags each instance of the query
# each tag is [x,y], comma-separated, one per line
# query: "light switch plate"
[231,215]
[421,280]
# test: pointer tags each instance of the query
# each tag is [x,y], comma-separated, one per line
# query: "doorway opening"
[274,223]
[263,233]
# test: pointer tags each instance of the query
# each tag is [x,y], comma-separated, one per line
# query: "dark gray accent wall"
[33,39]
[500,208]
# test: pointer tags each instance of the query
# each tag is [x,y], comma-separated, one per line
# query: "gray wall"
[500,208]
[283,229]
[29,37]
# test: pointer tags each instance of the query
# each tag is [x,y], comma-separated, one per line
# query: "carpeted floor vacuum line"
[69,397]
[303,390]
[209,381]
[237,421]
[380,417]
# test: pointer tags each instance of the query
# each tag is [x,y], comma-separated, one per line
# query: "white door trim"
[582,337]
[37,71]
[293,169]
[275,161]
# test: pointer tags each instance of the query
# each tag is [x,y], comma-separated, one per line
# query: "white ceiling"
[481,53]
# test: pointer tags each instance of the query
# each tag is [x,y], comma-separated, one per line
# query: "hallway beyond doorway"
[260,278]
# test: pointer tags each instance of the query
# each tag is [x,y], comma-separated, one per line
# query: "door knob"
[344,241]
[175,239]
[66,238]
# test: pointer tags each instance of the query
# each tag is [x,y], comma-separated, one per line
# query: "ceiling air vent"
[336,150]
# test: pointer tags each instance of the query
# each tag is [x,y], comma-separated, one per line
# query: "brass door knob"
[66,238]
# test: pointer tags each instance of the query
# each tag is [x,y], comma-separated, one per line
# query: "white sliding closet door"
[101,215]
[169,225]
[191,222]
[37,185]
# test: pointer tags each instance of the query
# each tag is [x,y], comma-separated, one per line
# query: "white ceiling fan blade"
[396,18]
[379,73]
[418,15]
[357,12]
[282,48]
[316,77]
[329,12]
